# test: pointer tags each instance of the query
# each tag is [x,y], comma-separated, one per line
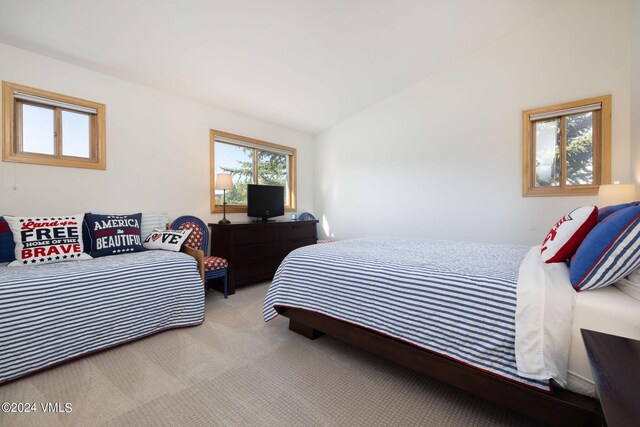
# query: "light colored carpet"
[237,370]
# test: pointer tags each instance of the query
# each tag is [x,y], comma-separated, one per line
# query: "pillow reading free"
[67,237]
[46,239]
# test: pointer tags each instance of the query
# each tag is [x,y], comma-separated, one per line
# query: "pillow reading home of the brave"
[113,234]
[565,237]
[168,240]
[40,240]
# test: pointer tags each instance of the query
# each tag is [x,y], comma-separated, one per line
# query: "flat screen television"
[265,201]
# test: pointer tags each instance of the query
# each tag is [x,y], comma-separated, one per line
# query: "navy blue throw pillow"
[7,246]
[113,234]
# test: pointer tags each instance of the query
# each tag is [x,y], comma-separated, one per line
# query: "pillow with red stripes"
[605,211]
[565,237]
[113,234]
[610,251]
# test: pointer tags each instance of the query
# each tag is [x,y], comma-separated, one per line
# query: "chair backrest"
[199,237]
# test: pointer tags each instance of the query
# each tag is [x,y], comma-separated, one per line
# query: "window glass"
[273,170]
[237,161]
[76,137]
[579,150]
[37,130]
[250,161]
[47,128]
[548,153]
[566,148]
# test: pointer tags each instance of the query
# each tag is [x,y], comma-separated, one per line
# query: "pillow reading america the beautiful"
[114,234]
[41,240]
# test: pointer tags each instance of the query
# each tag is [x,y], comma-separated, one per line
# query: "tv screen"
[265,201]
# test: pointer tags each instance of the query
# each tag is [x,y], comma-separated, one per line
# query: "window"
[250,161]
[50,129]
[566,148]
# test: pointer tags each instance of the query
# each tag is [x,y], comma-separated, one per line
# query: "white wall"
[442,159]
[635,92]
[157,148]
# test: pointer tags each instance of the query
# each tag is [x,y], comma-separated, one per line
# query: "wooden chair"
[214,266]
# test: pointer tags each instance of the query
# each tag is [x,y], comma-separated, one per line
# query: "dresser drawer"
[259,270]
[290,245]
[257,251]
[300,230]
[257,235]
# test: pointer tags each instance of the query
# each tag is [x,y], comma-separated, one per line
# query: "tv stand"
[254,250]
[262,220]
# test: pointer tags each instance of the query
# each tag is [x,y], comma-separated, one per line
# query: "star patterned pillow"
[195,238]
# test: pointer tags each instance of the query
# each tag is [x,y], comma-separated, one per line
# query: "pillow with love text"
[169,240]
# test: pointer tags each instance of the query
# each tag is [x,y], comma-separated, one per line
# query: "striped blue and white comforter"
[457,299]
[52,313]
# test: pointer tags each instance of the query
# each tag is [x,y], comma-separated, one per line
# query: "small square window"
[51,129]
[567,148]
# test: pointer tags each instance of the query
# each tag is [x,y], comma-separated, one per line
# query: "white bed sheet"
[549,316]
[543,319]
[607,310]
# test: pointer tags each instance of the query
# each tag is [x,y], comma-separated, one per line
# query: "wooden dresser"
[256,249]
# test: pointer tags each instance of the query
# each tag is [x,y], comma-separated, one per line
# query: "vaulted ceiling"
[302,64]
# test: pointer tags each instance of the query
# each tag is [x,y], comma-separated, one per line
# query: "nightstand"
[615,364]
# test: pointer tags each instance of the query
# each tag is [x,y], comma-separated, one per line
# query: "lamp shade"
[224,182]
[613,194]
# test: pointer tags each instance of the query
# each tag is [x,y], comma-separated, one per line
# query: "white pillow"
[42,240]
[630,285]
[565,237]
[151,221]
[168,240]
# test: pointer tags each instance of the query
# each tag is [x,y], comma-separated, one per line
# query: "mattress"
[57,312]
[457,299]
[607,310]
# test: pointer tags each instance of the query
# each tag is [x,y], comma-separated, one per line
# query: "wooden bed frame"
[562,408]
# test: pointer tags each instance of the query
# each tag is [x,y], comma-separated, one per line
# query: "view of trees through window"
[243,163]
[578,150]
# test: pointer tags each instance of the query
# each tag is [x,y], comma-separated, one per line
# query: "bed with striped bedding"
[457,299]
[57,312]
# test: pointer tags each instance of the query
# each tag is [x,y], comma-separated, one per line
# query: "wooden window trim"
[292,169]
[601,150]
[12,118]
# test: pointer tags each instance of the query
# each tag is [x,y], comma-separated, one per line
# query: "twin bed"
[491,319]
[53,313]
